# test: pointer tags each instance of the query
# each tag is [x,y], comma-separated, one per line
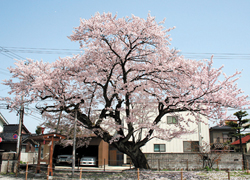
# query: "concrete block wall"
[191,161]
[8,166]
[9,160]
[30,157]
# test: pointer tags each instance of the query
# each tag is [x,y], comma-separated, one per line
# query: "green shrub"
[208,168]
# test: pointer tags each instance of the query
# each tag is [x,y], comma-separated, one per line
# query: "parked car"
[64,159]
[88,161]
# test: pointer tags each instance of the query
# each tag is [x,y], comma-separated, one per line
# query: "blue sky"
[39,29]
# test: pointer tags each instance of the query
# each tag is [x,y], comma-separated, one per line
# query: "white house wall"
[176,144]
[2,122]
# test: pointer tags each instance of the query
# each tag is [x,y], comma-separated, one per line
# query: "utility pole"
[241,148]
[19,139]
[74,145]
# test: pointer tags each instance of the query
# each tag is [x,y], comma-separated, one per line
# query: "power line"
[1,69]
[43,50]
[228,56]
[9,53]
[244,56]
[4,73]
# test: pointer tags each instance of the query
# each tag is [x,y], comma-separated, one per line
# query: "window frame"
[161,148]
[170,121]
[192,147]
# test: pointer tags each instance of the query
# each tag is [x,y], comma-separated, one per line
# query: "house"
[220,136]
[245,141]
[3,122]
[9,137]
[9,142]
[187,143]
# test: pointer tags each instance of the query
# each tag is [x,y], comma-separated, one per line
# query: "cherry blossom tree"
[128,77]
[66,127]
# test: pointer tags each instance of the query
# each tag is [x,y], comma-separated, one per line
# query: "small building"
[96,148]
[245,144]
[9,142]
[220,136]
[9,137]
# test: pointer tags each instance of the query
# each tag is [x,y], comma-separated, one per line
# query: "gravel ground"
[132,175]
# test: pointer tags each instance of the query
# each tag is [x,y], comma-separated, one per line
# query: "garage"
[97,148]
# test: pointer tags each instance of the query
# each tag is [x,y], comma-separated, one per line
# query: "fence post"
[138,174]
[187,164]
[81,173]
[48,173]
[158,164]
[27,168]
[16,167]
[78,163]
[104,165]
[242,164]
[181,174]
[8,166]
[247,165]
[228,173]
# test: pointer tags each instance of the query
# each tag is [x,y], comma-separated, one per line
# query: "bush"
[208,168]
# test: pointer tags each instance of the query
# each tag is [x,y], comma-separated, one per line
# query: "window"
[172,120]
[41,151]
[159,148]
[191,146]
[23,150]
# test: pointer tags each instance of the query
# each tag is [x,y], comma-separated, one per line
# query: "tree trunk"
[139,160]
[134,152]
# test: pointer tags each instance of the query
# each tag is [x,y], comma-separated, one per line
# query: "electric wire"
[9,52]
[43,50]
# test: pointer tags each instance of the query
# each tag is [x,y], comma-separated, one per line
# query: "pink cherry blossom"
[127,78]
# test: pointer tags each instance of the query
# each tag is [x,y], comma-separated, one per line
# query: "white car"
[88,161]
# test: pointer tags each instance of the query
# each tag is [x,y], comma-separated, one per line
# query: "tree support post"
[51,157]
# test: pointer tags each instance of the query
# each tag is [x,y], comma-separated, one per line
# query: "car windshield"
[87,159]
[64,156]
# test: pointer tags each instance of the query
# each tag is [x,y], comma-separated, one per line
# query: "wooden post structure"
[47,138]
[104,165]
[78,163]
[81,173]
[51,157]
[181,175]
[48,173]
[38,169]
[138,174]
[27,168]
[16,168]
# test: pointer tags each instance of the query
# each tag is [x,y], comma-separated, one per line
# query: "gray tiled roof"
[223,127]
